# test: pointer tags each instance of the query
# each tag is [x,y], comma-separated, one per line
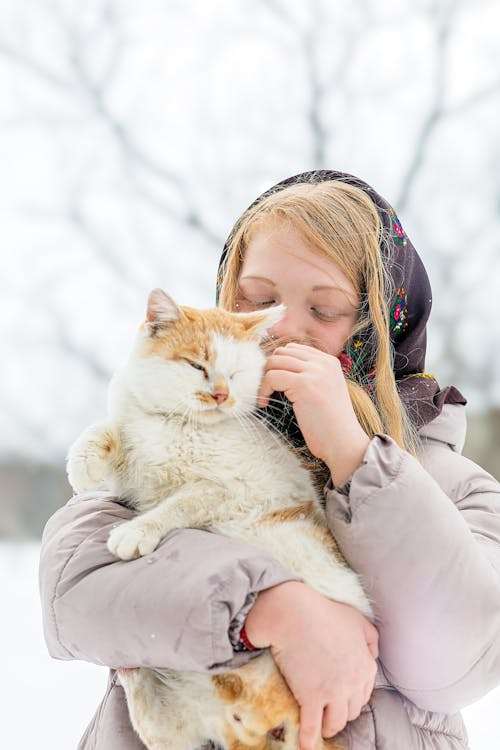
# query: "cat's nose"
[220,397]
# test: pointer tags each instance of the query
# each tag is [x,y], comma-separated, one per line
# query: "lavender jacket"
[424,535]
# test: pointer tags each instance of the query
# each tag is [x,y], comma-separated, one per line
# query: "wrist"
[245,641]
[268,617]
[343,460]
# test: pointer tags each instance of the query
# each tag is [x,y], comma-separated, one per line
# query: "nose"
[291,325]
[220,397]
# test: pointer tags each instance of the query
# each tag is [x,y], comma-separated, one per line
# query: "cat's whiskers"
[252,418]
[278,436]
[167,413]
[248,427]
[192,422]
[275,400]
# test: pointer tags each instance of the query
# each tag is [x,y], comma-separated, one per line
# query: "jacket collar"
[448,427]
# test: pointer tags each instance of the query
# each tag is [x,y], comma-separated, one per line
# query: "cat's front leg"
[193,507]
[135,538]
[90,456]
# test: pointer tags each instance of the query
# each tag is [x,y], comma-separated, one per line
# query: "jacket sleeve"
[171,608]
[429,555]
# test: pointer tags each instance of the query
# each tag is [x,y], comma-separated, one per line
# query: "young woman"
[419,522]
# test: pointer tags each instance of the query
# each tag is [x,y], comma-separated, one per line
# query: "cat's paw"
[88,458]
[85,472]
[132,539]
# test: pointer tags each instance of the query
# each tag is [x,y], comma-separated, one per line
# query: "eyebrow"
[328,287]
[258,278]
[318,288]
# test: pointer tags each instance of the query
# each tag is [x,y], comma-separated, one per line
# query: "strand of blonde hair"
[340,222]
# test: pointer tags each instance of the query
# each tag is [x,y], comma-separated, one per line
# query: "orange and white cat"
[182,445]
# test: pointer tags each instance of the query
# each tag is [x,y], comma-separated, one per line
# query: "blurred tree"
[133,135]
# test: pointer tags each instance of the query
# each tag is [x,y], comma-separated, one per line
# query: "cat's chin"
[212,416]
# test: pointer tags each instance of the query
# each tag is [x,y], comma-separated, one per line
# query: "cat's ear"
[162,310]
[260,323]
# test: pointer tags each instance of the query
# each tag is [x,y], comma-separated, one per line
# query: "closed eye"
[197,366]
[259,303]
[326,314]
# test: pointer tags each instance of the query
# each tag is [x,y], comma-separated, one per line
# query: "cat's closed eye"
[196,366]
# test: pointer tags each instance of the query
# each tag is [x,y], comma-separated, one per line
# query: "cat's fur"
[182,446]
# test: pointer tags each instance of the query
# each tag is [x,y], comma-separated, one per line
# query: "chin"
[211,416]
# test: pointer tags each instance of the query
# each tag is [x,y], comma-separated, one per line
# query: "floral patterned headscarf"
[409,310]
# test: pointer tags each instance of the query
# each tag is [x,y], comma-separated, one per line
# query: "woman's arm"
[429,555]
[425,538]
[326,651]
[171,608]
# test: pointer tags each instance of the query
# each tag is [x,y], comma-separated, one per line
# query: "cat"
[182,427]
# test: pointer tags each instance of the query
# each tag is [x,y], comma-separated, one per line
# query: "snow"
[49,702]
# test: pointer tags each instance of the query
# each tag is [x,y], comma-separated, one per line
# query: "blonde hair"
[340,222]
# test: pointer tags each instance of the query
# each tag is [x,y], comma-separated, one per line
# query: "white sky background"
[120,120]
[131,137]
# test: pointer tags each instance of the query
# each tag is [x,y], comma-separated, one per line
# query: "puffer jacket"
[424,535]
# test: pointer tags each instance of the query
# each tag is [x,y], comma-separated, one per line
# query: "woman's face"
[321,303]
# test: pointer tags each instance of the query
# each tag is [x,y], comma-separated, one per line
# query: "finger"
[310,725]
[356,703]
[371,635]
[370,685]
[284,362]
[301,351]
[334,718]
[275,380]
[369,690]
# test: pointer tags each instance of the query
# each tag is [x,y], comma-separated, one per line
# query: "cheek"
[245,385]
[334,339]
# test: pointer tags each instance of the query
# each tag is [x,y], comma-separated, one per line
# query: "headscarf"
[408,309]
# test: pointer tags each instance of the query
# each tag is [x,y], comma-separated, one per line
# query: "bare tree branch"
[443,19]
[283,14]
[34,67]
[473,99]
[103,251]
[65,343]
[316,89]
[96,93]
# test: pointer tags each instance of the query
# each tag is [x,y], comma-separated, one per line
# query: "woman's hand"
[314,382]
[325,650]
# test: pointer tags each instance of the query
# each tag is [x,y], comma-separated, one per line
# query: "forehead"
[284,255]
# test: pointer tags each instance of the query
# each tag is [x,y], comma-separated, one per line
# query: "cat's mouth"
[214,403]
[216,414]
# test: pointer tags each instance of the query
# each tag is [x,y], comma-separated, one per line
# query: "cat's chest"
[162,442]
[175,453]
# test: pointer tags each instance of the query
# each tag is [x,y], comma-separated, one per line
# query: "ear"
[260,323]
[162,310]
